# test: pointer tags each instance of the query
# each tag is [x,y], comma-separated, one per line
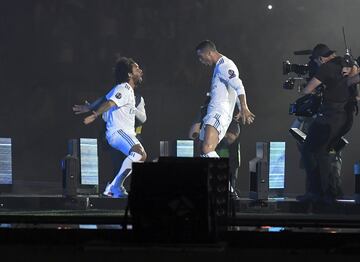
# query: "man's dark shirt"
[330,74]
[313,68]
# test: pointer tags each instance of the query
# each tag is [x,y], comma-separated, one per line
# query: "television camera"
[308,105]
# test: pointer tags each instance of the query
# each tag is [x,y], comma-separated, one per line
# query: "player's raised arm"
[103,108]
[87,107]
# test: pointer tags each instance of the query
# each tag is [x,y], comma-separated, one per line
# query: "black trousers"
[335,159]
[330,125]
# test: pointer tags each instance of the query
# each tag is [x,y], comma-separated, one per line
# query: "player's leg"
[137,154]
[212,132]
[211,140]
[130,146]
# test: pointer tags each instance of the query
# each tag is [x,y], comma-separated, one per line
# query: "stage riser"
[295,207]
[28,203]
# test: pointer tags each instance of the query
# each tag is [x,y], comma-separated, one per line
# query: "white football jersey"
[121,116]
[223,95]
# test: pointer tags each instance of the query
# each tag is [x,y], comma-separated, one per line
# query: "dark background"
[54,54]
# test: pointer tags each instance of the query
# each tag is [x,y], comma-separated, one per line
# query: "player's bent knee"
[139,150]
[144,156]
[206,148]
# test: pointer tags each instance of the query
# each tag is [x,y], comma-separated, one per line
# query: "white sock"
[212,154]
[125,169]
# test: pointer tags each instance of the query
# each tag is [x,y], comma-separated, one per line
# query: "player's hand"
[81,109]
[247,116]
[237,117]
[91,118]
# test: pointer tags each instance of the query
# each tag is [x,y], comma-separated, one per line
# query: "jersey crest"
[231,74]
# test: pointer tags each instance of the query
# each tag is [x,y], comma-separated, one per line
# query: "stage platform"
[95,228]
[60,202]
[100,210]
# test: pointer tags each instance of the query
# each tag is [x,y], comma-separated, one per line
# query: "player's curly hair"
[122,69]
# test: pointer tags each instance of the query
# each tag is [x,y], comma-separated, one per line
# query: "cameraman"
[303,123]
[333,120]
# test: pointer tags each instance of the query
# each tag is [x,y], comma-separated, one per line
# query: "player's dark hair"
[122,69]
[206,44]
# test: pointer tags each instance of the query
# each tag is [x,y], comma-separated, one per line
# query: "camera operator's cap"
[321,50]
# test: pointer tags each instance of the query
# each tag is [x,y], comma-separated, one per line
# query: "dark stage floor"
[93,228]
[94,209]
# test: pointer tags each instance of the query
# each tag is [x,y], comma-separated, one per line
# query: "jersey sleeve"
[140,113]
[230,74]
[119,96]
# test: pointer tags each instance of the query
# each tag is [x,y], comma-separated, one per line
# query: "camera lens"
[289,84]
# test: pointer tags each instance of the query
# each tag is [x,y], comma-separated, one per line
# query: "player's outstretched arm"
[81,109]
[87,107]
[103,108]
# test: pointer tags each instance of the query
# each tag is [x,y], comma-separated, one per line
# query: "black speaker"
[70,176]
[259,173]
[179,199]
[71,169]
[259,179]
